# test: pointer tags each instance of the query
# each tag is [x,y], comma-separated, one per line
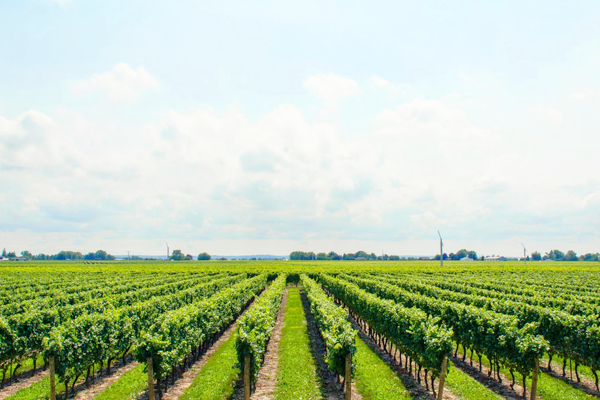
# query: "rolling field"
[375,330]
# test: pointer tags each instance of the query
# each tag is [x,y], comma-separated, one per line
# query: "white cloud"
[548,114]
[120,83]
[378,82]
[205,176]
[331,88]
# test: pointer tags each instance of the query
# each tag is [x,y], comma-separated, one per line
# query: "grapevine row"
[424,339]
[181,332]
[475,328]
[256,325]
[332,321]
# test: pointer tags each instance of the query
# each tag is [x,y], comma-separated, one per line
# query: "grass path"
[374,378]
[38,391]
[216,380]
[466,388]
[297,377]
[128,386]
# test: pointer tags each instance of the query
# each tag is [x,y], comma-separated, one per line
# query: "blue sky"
[238,128]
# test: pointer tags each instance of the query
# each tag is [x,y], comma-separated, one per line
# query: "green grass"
[549,388]
[297,377]
[466,388]
[38,391]
[128,385]
[375,380]
[216,380]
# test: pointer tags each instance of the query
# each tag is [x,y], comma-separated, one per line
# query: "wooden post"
[348,376]
[150,368]
[247,377]
[442,378]
[534,379]
[52,378]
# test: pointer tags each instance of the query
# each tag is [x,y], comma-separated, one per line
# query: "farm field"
[299,330]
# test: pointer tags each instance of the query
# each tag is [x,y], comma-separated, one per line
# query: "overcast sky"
[264,127]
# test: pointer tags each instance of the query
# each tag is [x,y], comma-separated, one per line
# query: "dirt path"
[267,376]
[8,391]
[332,389]
[104,382]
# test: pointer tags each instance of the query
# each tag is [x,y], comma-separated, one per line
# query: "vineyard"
[299,330]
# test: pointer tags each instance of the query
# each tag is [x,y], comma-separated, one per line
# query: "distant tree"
[204,256]
[11,254]
[348,256]
[556,255]
[445,256]
[472,254]
[302,255]
[571,256]
[482,258]
[394,258]
[334,256]
[177,255]
[100,255]
[361,254]
[27,254]
[589,257]
[4,253]
[321,256]
[535,256]
[437,257]
[89,256]
[462,253]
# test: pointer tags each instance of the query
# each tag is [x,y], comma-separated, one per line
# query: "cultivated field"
[299,330]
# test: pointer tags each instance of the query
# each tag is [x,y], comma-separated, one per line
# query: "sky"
[267,127]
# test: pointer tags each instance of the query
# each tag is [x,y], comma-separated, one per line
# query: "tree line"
[62,255]
[554,255]
[332,255]
[178,255]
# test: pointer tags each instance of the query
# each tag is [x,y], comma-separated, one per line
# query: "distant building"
[4,259]
[495,258]
[221,259]
[360,259]
[466,259]
[424,258]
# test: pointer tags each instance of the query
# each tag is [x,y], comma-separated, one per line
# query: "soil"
[23,381]
[332,388]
